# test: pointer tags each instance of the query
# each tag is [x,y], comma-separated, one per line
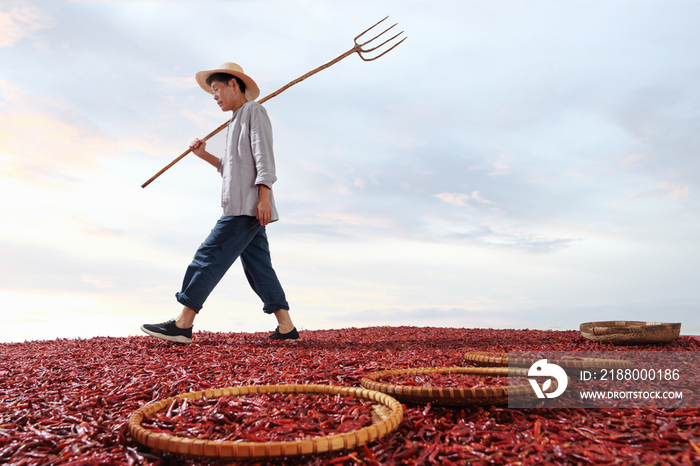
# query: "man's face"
[225,94]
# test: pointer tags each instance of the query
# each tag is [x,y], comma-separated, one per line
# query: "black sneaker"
[293,335]
[169,331]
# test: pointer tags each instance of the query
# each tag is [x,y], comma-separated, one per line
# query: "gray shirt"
[248,161]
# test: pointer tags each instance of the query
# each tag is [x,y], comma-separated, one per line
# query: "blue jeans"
[233,237]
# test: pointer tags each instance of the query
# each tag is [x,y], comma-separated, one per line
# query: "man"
[248,172]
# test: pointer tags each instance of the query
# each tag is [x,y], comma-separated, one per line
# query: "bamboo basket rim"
[501,360]
[631,331]
[451,395]
[246,449]
[627,326]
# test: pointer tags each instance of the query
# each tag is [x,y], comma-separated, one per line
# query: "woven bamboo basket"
[449,395]
[570,365]
[629,332]
[385,419]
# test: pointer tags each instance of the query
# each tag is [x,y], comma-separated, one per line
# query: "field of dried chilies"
[66,402]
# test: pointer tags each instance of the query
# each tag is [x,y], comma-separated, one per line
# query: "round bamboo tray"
[502,360]
[385,420]
[449,395]
[630,332]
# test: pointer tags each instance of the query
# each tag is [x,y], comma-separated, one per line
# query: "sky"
[512,164]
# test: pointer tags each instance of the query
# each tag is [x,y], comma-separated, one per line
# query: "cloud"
[44,141]
[500,168]
[20,22]
[674,191]
[96,281]
[508,238]
[178,82]
[636,160]
[37,144]
[460,199]
[625,199]
[665,190]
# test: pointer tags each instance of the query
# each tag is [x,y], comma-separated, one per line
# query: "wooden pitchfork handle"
[359,48]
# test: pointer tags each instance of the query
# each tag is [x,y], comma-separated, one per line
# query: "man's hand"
[199,148]
[263,210]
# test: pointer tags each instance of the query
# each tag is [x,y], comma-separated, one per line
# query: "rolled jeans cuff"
[185,301]
[271,308]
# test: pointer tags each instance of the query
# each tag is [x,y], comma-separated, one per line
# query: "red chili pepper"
[63,401]
[433,453]
[407,453]
[695,446]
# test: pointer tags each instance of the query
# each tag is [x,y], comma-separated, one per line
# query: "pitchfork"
[359,48]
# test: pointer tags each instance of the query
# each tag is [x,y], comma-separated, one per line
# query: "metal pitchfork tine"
[358,48]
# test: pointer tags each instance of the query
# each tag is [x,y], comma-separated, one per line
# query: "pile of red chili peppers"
[66,402]
[451,380]
[262,417]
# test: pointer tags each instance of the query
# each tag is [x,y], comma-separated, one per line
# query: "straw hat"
[251,89]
